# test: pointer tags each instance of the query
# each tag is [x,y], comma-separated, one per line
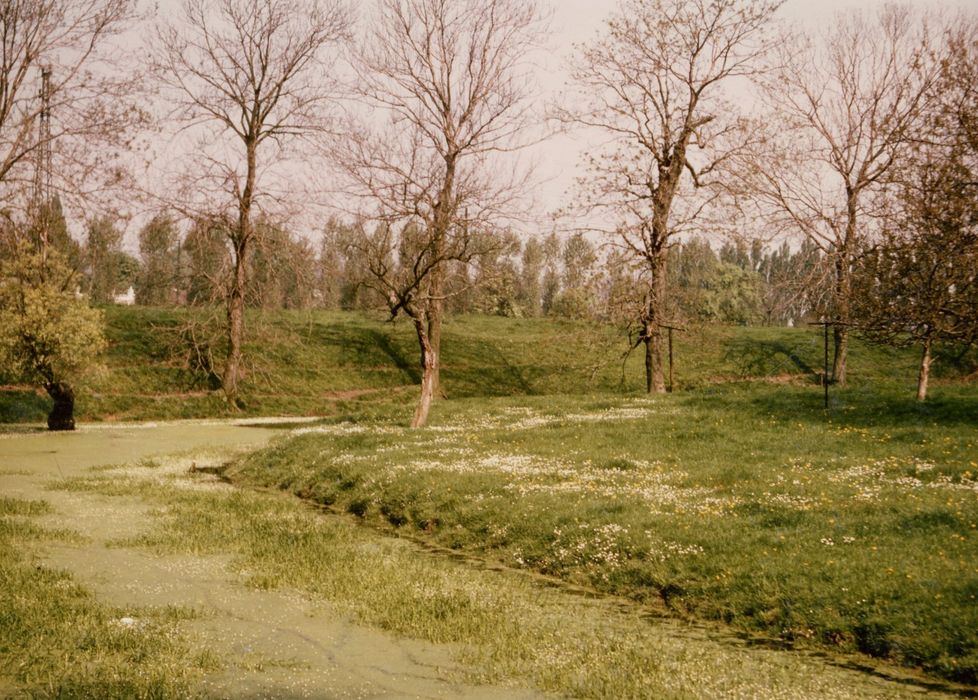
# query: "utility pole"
[41,194]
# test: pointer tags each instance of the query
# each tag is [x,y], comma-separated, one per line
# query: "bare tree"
[447,82]
[917,284]
[252,77]
[654,85]
[843,108]
[63,48]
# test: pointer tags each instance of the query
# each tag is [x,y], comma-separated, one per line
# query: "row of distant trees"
[517,276]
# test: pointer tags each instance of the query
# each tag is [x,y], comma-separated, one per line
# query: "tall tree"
[579,281]
[844,107]
[918,284]
[254,77]
[654,84]
[283,269]
[103,259]
[159,248]
[448,83]
[550,290]
[205,262]
[329,276]
[530,289]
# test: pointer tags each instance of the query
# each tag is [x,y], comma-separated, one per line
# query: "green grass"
[507,628]
[852,529]
[56,640]
[336,363]
[738,501]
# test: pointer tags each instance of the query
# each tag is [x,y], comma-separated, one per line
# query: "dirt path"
[282,645]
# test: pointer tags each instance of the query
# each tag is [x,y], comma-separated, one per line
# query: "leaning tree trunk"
[655,378]
[62,416]
[429,374]
[924,376]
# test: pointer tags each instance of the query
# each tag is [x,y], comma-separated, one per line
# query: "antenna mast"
[41,196]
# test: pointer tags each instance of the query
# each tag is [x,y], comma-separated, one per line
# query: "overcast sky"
[577,21]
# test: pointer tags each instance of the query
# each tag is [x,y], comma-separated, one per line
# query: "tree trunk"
[429,369]
[655,378]
[235,314]
[840,332]
[240,239]
[843,290]
[649,362]
[436,313]
[840,360]
[62,416]
[924,375]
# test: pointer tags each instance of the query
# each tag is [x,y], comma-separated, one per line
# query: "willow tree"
[250,79]
[48,335]
[447,86]
[655,86]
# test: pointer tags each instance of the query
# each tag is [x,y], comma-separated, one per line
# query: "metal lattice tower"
[41,194]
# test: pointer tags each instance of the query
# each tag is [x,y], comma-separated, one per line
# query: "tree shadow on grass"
[757,358]
[482,368]
[383,342]
[869,405]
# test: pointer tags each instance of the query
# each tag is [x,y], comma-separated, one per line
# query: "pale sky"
[576,21]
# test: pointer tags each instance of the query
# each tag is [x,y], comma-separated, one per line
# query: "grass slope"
[321,363]
[504,627]
[852,529]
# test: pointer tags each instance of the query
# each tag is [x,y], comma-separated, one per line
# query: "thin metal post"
[670,359]
[825,371]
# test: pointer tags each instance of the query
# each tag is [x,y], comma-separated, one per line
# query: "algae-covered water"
[272,644]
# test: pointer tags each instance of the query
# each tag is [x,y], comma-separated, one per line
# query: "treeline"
[520,276]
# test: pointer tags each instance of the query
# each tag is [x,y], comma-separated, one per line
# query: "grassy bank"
[56,640]
[321,363]
[852,529]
